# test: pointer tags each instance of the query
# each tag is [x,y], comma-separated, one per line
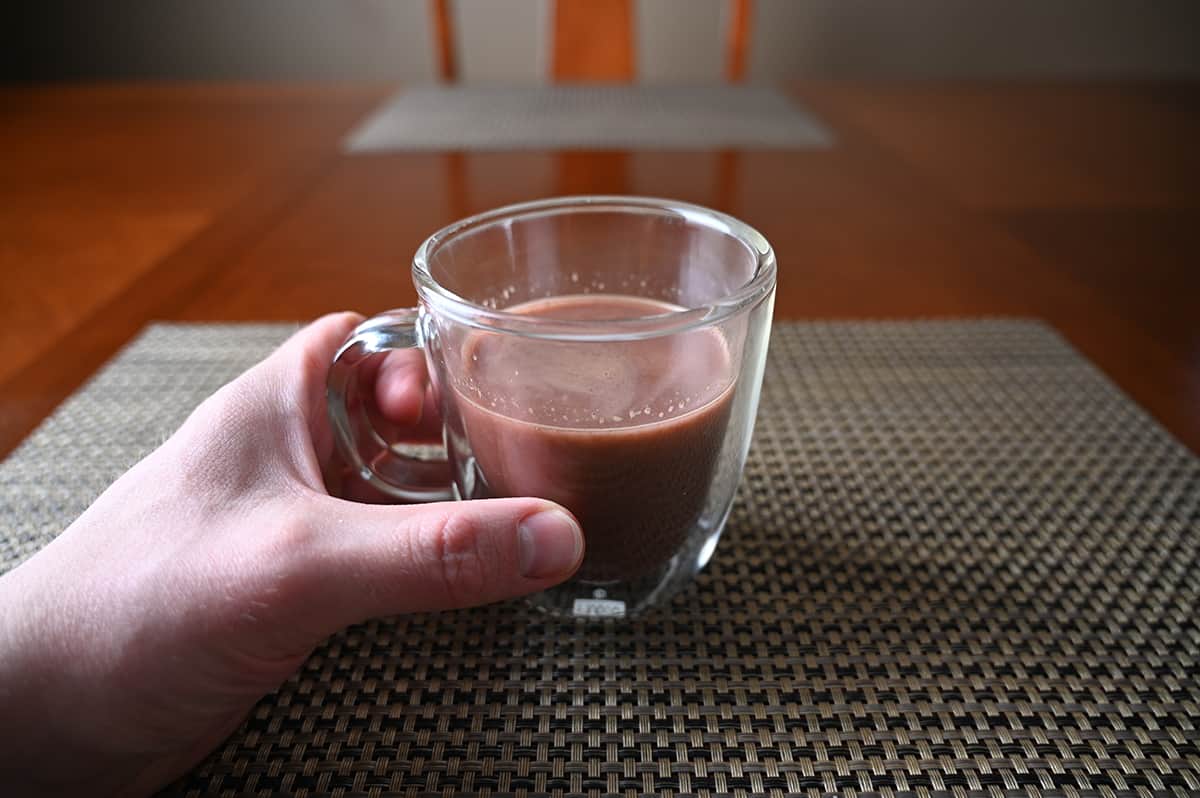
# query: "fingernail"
[550,544]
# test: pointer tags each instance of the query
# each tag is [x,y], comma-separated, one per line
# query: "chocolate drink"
[626,435]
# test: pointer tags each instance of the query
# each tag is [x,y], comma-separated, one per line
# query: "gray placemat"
[961,563]
[589,117]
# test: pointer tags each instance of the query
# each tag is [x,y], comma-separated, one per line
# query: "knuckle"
[231,415]
[288,546]
[310,366]
[295,534]
[305,350]
[454,543]
[270,581]
[220,450]
[348,319]
[287,558]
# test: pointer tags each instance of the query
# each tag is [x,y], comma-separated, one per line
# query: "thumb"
[366,560]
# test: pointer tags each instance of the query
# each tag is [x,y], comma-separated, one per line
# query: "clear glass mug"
[605,353]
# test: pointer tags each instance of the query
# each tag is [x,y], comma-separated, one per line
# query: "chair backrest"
[593,40]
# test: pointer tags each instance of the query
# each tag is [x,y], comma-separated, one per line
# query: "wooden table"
[1074,203]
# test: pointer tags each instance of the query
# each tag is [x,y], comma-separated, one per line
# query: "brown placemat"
[961,563]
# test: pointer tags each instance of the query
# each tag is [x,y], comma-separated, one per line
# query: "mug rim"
[446,302]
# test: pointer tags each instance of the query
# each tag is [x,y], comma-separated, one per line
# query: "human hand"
[202,578]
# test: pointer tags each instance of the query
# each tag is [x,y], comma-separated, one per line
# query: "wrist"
[23,683]
[41,711]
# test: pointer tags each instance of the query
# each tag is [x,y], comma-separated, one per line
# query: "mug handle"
[412,472]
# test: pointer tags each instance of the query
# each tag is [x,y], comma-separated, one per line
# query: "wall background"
[678,40]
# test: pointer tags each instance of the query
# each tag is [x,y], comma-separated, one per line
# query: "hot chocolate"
[625,436]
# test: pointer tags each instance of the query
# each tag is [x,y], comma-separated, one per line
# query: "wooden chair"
[593,40]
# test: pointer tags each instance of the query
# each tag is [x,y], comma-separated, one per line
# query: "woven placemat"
[588,117]
[961,562]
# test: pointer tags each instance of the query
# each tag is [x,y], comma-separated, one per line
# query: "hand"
[141,637]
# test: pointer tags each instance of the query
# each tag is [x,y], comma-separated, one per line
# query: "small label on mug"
[599,608]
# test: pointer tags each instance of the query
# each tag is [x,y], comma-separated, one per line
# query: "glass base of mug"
[582,598]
